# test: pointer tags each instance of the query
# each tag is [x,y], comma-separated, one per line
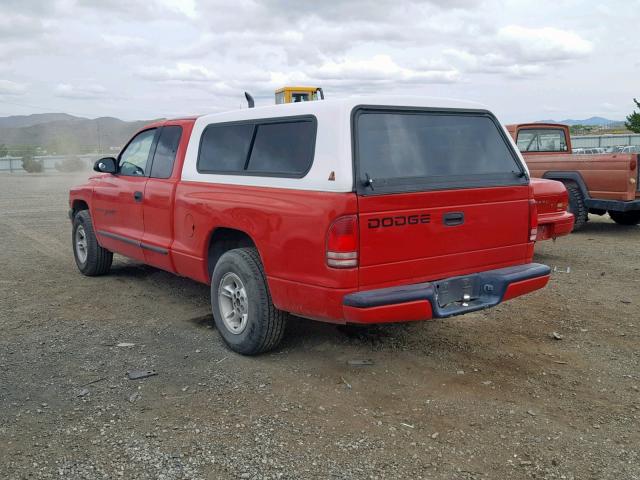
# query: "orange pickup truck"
[597,184]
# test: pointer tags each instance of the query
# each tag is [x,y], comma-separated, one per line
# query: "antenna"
[249,99]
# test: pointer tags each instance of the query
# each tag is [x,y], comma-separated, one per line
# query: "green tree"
[3,150]
[633,120]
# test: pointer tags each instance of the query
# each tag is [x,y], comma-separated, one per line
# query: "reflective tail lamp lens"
[342,243]
[533,220]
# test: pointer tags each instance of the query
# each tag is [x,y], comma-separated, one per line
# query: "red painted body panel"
[526,286]
[403,312]
[552,201]
[554,225]
[158,206]
[288,227]
[309,301]
[114,210]
[494,234]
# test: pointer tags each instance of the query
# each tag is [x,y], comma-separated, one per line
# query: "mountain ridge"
[594,121]
[64,133]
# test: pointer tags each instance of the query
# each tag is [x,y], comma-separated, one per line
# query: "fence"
[49,162]
[593,141]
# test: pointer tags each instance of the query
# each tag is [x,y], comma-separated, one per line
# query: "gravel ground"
[486,395]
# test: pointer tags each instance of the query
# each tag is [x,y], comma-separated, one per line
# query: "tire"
[92,260]
[576,205]
[626,218]
[245,316]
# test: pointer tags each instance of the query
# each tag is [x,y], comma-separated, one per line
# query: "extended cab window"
[542,140]
[224,148]
[271,147]
[134,158]
[166,149]
[282,148]
[400,151]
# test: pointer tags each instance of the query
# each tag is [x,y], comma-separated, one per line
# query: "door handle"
[452,219]
[137,196]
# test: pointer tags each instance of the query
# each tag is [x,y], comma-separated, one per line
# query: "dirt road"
[487,395]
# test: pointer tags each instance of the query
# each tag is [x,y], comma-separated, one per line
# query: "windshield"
[417,150]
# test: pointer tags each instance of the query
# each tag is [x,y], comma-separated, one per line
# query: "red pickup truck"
[348,211]
[597,183]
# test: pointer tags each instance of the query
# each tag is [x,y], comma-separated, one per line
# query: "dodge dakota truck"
[361,210]
[597,183]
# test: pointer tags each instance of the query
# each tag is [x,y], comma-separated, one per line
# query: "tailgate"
[431,235]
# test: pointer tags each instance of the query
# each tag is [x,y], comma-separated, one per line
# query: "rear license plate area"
[457,290]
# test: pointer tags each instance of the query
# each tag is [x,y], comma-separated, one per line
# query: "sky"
[164,58]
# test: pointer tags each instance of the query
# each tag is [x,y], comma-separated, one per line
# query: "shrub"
[71,164]
[32,165]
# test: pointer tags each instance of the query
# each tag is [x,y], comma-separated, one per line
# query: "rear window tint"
[282,148]
[224,148]
[416,150]
[263,147]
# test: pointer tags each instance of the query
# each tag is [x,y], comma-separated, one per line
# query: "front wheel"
[242,308]
[626,218]
[91,258]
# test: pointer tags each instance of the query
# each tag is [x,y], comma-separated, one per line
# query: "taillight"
[342,242]
[533,220]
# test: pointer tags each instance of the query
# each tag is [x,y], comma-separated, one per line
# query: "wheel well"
[225,239]
[569,177]
[79,205]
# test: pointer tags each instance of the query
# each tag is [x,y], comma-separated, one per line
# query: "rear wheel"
[91,258]
[242,308]
[626,218]
[577,205]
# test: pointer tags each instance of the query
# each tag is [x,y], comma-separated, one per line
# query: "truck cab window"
[134,158]
[166,149]
[542,140]
[299,97]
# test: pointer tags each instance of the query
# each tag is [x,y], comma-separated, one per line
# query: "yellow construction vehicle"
[298,94]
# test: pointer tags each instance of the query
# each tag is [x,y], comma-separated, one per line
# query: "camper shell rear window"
[400,149]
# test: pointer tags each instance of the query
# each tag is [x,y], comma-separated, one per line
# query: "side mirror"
[105,165]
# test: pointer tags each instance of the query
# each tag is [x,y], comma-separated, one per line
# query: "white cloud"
[7,87]
[85,91]
[545,44]
[522,71]
[520,52]
[109,10]
[182,72]
[608,107]
[186,7]
[19,26]
[379,68]
[125,43]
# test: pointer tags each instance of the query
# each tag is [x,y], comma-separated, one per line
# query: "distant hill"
[591,121]
[63,133]
[17,121]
